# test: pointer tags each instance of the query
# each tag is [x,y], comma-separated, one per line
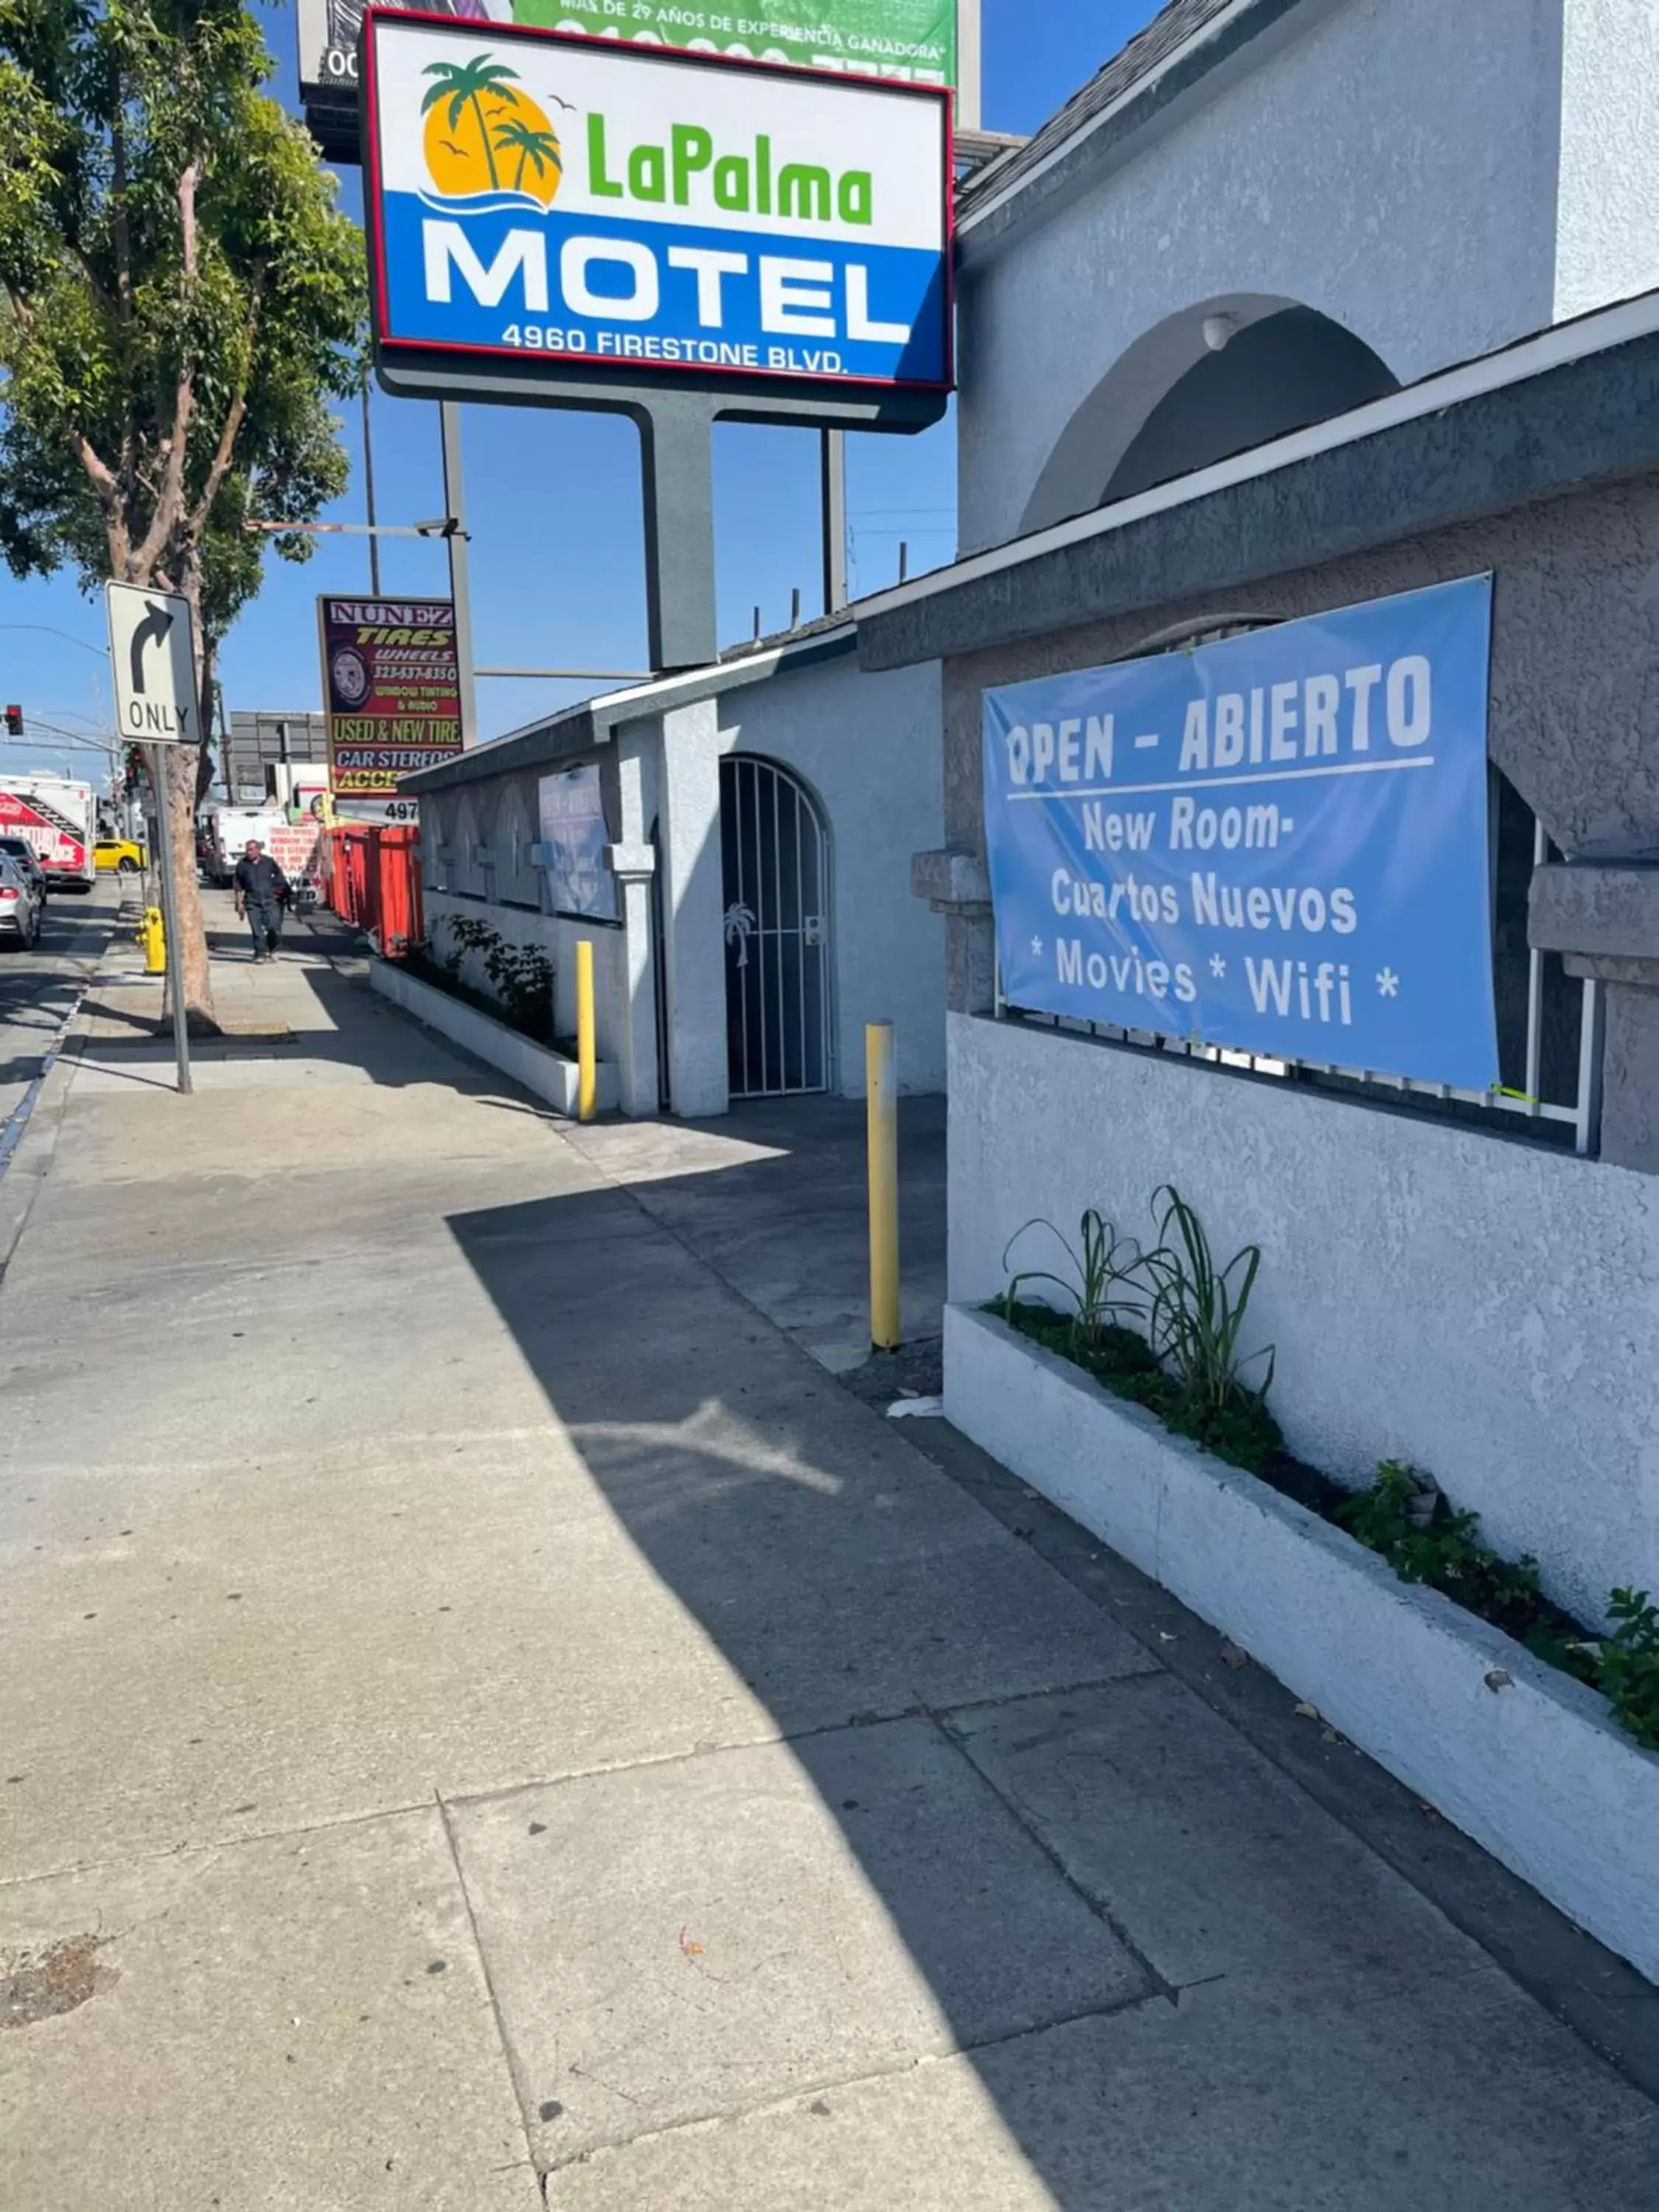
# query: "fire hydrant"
[152,937]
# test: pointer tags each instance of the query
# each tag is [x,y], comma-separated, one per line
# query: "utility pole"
[368,494]
[969,67]
[460,589]
[832,463]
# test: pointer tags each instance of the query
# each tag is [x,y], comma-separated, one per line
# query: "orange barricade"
[372,875]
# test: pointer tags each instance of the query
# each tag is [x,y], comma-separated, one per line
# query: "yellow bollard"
[882,1113]
[587,1068]
[152,936]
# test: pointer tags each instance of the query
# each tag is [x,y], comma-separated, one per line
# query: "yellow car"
[117,856]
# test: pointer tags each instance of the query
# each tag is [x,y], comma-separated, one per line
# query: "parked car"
[21,850]
[20,906]
[117,856]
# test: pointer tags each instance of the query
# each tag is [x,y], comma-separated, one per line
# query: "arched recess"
[1218,377]
[517,883]
[467,875]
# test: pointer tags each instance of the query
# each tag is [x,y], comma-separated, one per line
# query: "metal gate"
[775,856]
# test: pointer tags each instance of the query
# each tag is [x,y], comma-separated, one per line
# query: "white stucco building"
[761,815]
[1352,192]
[1300,305]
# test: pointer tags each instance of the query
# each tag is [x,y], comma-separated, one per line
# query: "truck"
[229,829]
[294,846]
[58,818]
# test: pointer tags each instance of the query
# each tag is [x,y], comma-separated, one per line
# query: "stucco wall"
[1575,678]
[1607,229]
[1485,1309]
[868,748]
[1392,167]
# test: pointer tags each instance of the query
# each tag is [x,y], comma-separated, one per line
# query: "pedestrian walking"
[262,891]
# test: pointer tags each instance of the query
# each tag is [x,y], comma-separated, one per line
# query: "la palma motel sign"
[611,209]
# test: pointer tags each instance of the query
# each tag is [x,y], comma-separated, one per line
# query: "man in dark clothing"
[262,890]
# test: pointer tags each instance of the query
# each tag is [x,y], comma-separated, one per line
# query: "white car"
[19,906]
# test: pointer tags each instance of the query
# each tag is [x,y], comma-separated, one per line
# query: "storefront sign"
[573,839]
[1277,844]
[392,691]
[532,197]
[914,41]
[910,41]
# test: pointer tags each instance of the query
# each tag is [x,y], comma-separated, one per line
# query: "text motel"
[793,297]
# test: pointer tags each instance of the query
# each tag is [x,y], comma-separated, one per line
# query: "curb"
[28,1142]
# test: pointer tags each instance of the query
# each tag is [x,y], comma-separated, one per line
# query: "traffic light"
[13,721]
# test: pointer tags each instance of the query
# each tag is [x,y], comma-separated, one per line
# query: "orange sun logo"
[485,137]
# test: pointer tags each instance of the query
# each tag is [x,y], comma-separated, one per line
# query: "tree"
[463,84]
[538,148]
[180,299]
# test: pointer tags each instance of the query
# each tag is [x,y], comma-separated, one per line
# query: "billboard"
[1276,844]
[614,210]
[912,41]
[391,693]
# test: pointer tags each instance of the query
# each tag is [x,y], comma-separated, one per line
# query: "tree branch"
[237,409]
[108,489]
[169,505]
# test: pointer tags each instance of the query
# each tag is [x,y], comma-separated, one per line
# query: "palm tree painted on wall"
[538,148]
[463,85]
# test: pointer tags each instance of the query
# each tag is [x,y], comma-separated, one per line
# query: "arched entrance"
[1218,377]
[775,853]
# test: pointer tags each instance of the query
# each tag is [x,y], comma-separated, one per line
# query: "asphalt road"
[38,989]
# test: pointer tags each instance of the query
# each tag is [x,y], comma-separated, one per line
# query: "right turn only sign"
[154,657]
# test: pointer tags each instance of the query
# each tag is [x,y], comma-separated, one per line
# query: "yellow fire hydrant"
[152,937]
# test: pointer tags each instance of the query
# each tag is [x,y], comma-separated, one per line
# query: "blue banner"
[573,843]
[1277,844]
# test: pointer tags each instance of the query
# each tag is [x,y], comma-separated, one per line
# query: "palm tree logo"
[463,84]
[475,109]
[538,148]
[739,921]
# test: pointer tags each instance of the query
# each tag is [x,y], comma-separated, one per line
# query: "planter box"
[537,1067]
[1537,1771]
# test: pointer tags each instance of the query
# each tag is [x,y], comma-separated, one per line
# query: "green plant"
[1630,1665]
[1103,1286]
[520,975]
[1425,1538]
[1197,1315]
[523,978]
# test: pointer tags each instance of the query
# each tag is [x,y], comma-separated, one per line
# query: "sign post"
[153,654]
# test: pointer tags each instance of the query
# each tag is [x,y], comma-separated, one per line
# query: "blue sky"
[553,498]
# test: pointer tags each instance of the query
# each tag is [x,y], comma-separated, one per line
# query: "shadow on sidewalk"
[849,1586]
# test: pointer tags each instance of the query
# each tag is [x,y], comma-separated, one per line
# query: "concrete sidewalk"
[489,1721]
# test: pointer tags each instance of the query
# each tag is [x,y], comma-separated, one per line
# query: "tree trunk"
[189,959]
